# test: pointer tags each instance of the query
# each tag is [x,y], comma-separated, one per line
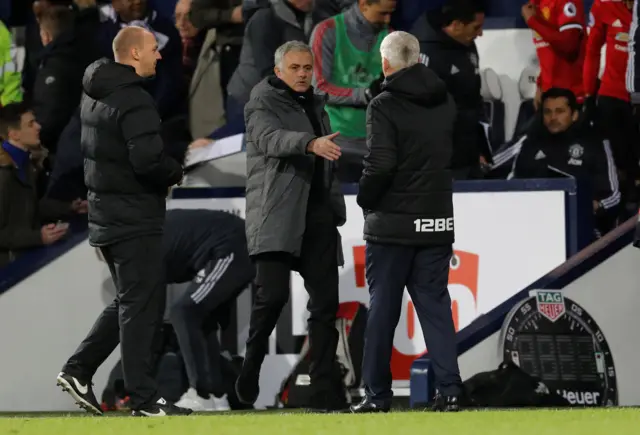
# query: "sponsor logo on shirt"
[622,36]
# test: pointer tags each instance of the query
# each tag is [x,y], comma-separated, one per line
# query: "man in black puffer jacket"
[406,194]
[128,176]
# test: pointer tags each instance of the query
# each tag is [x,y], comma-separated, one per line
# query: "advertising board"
[504,241]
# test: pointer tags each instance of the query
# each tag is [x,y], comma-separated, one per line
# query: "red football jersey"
[560,48]
[609,22]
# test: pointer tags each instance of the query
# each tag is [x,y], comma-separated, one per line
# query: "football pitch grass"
[611,421]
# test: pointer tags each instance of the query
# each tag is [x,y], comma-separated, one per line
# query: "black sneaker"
[446,403]
[160,409]
[248,386]
[81,391]
[367,406]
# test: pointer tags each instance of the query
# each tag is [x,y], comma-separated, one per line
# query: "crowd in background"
[215,51]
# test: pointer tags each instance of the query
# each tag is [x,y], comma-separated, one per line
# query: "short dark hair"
[561,93]
[11,117]
[461,10]
[57,20]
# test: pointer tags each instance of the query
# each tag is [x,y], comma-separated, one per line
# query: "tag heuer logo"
[550,304]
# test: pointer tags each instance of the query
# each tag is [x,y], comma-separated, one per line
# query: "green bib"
[352,68]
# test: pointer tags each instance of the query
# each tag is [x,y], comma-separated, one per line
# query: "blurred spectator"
[447,42]
[226,17]
[558,34]
[33,42]
[609,24]
[192,39]
[325,9]
[164,7]
[21,214]
[66,179]
[168,87]
[58,84]
[10,89]
[558,147]
[269,27]
[348,68]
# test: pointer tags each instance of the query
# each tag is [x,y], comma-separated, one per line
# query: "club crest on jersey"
[474,59]
[570,10]
[550,304]
[576,151]
[546,13]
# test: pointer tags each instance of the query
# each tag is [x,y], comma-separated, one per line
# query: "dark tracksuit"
[406,194]
[210,248]
[571,154]
[127,174]
[457,65]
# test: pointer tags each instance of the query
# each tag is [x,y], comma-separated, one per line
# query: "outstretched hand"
[325,147]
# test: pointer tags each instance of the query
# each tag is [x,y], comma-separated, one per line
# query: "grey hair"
[401,49]
[297,46]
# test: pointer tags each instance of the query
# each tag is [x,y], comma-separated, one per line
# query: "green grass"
[525,422]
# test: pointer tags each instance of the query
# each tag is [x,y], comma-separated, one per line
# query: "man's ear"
[13,134]
[135,54]
[276,70]
[576,115]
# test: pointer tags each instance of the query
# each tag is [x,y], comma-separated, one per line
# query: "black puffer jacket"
[126,169]
[406,184]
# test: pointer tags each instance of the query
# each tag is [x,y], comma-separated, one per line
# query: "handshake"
[325,147]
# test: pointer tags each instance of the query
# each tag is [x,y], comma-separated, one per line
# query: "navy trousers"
[424,271]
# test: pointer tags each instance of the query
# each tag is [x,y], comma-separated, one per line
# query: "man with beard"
[348,69]
[447,42]
[556,147]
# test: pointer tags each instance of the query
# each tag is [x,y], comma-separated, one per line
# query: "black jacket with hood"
[126,169]
[406,185]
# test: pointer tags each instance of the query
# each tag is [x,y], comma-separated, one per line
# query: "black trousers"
[616,122]
[196,316]
[318,265]
[133,319]
[425,273]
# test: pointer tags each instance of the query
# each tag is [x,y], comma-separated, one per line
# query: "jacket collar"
[267,90]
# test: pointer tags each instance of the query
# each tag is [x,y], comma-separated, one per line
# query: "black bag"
[351,322]
[509,387]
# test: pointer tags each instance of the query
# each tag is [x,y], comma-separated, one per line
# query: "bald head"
[137,47]
[127,39]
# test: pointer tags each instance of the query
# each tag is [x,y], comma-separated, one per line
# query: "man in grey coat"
[293,206]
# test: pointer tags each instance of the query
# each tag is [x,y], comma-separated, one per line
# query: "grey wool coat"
[279,171]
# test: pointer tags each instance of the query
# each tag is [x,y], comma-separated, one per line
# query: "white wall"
[42,320]
[609,293]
